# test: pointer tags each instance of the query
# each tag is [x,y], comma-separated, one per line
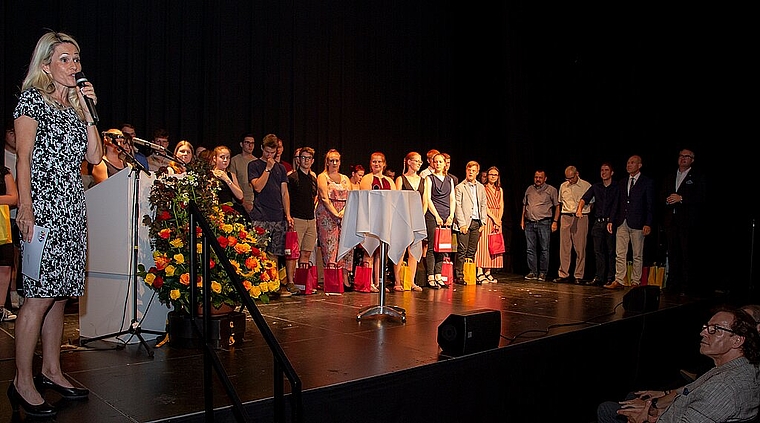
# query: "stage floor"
[322,337]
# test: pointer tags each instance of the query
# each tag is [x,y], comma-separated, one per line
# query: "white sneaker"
[6,315]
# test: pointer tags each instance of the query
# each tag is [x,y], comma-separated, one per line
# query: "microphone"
[81,79]
[144,143]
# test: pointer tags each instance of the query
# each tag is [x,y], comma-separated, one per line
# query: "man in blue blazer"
[683,194]
[631,219]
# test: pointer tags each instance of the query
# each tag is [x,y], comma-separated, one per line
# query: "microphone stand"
[134,327]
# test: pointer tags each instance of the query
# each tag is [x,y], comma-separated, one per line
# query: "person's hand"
[636,410]
[222,175]
[87,91]
[25,221]
[645,395]
[674,198]
[646,230]
[270,163]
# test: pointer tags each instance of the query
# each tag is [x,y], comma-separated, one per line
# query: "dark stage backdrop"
[521,85]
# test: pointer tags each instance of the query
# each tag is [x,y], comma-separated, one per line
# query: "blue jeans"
[537,236]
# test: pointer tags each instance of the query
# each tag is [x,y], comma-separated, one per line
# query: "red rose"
[227,209]
[158,282]
[260,230]
[164,215]
[223,241]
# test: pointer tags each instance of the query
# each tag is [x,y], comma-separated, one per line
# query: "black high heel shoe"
[42,382]
[39,410]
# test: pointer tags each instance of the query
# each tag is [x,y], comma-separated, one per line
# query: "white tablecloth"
[391,216]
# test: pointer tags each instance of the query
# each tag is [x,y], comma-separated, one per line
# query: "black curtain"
[521,85]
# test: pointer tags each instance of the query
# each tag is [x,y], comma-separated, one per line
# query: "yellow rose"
[255,291]
[216,287]
[176,243]
[227,228]
[149,278]
[179,258]
[170,270]
[174,294]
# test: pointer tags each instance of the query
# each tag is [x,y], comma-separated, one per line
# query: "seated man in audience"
[730,391]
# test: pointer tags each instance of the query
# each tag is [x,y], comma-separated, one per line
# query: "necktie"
[630,185]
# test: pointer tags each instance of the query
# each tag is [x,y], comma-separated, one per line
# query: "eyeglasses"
[306,157]
[711,329]
[570,178]
[685,156]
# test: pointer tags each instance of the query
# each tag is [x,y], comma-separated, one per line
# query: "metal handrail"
[282,366]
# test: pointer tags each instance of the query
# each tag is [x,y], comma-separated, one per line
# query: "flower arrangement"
[168,231]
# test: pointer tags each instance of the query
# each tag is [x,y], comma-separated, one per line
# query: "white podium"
[107,304]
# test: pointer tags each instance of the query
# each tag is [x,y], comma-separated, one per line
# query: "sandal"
[416,288]
[490,278]
[440,282]
[432,283]
[481,279]
[373,288]
[398,288]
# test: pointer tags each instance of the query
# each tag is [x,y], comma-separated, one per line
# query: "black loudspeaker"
[642,298]
[470,332]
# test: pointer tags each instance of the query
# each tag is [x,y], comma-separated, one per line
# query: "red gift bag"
[333,279]
[442,242]
[363,277]
[644,275]
[447,271]
[292,249]
[306,278]
[496,243]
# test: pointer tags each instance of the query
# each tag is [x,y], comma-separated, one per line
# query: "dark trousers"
[467,245]
[681,240]
[604,252]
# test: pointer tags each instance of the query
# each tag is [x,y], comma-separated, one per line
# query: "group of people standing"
[620,214]
[312,205]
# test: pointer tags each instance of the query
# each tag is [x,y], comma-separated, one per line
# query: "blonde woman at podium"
[55,123]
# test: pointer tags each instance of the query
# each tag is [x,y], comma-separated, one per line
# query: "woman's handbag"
[442,242]
[6,236]
[496,243]
[292,249]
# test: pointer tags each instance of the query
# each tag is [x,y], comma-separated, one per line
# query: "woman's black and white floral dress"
[57,196]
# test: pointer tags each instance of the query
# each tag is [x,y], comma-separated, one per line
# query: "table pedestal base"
[392,311]
[382,309]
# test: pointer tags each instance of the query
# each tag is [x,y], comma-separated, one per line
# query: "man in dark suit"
[632,219]
[683,193]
